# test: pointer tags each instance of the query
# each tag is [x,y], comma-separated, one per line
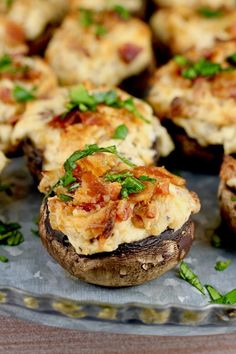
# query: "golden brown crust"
[131,264]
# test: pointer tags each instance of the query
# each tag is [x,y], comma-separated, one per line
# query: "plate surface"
[33,286]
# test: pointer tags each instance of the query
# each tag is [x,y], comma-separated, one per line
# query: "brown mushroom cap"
[130,264]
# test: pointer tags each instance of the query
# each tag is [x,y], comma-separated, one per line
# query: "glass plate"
[34,287]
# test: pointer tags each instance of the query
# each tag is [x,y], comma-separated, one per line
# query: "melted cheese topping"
[35,15]
[40,77]
[134,6]
[182,28]
[204,107]
[53,141]
[12,38]
[3,161]
[214,4]
[76,53]
[113,221]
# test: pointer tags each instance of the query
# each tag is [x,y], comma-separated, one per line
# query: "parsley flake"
[21,94]
[4,259]
[213,293]
[222,265]
[210,13]
[10,234]
[121,132]
[186,273]
[122,12]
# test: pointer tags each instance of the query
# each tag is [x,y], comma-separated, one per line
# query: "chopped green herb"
[232,59]
[233,199]
[131,185]
[65,198]
[181,60]
[147,179]
[213,293]
[5,63]
[3,259]
[101,30]
[86,17]
[186,273]
[10,234]
[210,13]
[222,265]
[21,94]
[216,241]
[121,132]
[67,180]
[122,12]
[227,299]
[82,99]
[202,68]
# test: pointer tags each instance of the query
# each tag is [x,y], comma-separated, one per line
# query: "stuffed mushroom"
[37,18]
[72,117]
[113,223]
[227,193]
[207,4]
[182,28]
[103,47]
[22,79]
[194,95]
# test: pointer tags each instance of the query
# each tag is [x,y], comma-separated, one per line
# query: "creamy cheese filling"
[99,5]
[172,211]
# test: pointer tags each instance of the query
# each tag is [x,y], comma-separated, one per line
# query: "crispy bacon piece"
[62,121]
[5,95]
[124,210]
[129,51]
[159,173]
[15,32]
[92,118]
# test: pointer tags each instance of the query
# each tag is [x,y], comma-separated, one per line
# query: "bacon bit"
[232,29]
[108,223]
[13,120]
[162,188]
[5,95]
[129,51]
[87,206]
[15,32]
[61,122]
[95,188]
[137,221]
[159,173]
[177,107]
[77,173]
[92,118]
[124,210]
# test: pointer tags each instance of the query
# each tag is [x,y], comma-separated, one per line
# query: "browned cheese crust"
[130,264]
[227,193]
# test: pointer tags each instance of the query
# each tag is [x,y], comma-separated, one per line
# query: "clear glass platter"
[34,287]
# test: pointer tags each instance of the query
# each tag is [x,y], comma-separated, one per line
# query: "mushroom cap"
[130,264]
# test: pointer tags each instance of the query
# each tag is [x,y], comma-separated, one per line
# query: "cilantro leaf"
[21,94]
[121,132]
[65,197]
[122,12]
[101,30]
[4,259]
[227,299]
[213,293]
[216,241]
[131,185]
[5,63]
[186,273]
[222,265]
[181,60]
[10,234]
[210,13]
[86,17]
[147,179]
[70,164]
[80,98]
